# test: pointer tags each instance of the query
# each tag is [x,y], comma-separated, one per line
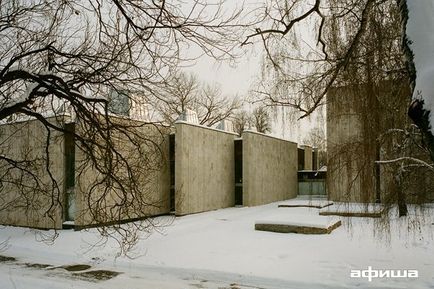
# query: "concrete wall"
[359,120]
[204,169]
[269,169]
[98,202]
[308,158]
[24,203]
[348,164]
[23,200]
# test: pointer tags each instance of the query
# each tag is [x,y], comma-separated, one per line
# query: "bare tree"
[317,139]
[241,121]
[325,60]
[258,119]
[184,91]
[68,56]
[261,119]
[213,107]
[355,58]
[410,166]
[180,93]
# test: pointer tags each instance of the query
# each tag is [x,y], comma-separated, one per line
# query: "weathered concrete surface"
[315,159]
[308,158]
[23,200]
[269,169]
[285,228]
[204,169]
[146,189]
[24,203]
[350,167]
[365,124]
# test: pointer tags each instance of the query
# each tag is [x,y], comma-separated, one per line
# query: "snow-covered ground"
[221,249]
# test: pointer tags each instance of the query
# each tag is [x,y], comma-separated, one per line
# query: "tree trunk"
[402,202]
[402,205]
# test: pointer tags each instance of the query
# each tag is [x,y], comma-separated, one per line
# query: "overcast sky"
[234,78]
[237,79]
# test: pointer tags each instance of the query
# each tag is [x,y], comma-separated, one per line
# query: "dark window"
[172,171]
[301,159]
[69,146]
[238,156]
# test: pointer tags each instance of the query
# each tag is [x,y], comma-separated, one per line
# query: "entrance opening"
[172,171]
[238,156]
[312,183]
[315,160]
[301,165]
[69,146]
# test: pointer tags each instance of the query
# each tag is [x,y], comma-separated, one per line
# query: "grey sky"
[234,78]
[237,79]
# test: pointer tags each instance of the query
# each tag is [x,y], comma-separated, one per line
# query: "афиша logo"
[384,273]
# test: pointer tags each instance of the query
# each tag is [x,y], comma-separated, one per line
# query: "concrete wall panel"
[24,201]
[97,205]
[308,158]
[204,169]
[350,177]
[269,169]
